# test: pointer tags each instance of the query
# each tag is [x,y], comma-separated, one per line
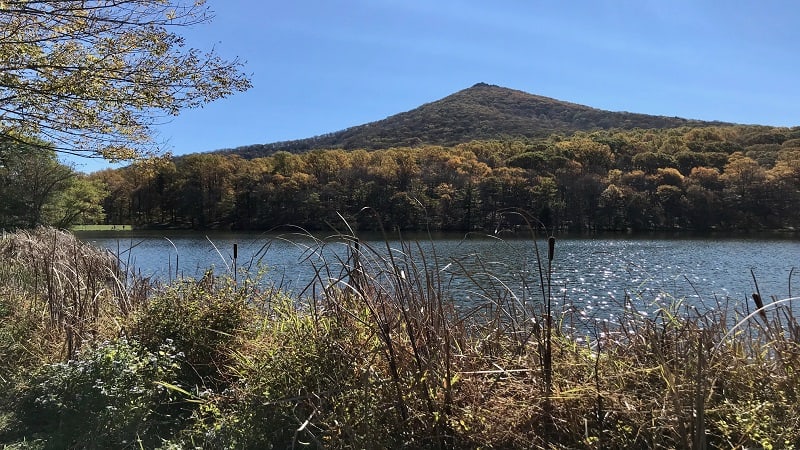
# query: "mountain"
[480,112]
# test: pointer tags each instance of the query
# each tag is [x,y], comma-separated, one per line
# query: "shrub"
[113,396]
[201,318]
[303,378]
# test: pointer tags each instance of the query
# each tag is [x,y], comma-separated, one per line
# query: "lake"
[593,274]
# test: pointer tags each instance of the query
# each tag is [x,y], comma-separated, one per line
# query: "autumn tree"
[594,157]
[784,182]
[581,185]
[249,180]
[650,162]
[706,177]
[668,176]
[535,161]
[688,160]
[547,205]
[703,207]
[207,189]
[117,205]
[612,207]
[743,175]
[93,77]
[672,202]
[745,190]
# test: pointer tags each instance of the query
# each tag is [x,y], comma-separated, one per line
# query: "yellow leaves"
[468,167]
[612,197]
[445,191]
[669,176]
[705,176]
[742,170]
[93,75]
[117,153]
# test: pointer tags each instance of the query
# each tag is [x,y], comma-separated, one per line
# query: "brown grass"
[70,283]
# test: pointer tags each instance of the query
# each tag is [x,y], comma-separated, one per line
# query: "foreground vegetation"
[375,354]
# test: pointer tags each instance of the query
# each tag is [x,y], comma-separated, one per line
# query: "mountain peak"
[480,112]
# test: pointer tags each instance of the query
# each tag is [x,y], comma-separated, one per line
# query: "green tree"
[80,203]
[673,145]
[673,202]
[547,204]
[206,189]
[117,205]
[405,213]
[36,189]
[501,190]
[688,160]
[146,201]
[703,209]
[30,177]
[92,77]
[529,160]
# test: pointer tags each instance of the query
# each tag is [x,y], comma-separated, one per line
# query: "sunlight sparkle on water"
[588,274]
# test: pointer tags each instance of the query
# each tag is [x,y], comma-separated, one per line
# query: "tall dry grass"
[510,374]
[68,284]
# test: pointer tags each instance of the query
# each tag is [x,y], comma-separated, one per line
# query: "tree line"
[727,178]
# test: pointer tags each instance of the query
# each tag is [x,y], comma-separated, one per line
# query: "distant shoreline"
[102,228]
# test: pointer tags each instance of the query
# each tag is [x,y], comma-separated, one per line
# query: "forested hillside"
[725,177]
[481,112]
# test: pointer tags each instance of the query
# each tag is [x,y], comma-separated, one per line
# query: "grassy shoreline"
[118,227]
[373,355]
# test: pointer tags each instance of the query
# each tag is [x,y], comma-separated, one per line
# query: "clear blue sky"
[321,66]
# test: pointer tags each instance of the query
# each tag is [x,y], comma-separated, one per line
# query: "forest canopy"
[725,177]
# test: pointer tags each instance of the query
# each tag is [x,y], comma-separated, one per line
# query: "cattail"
[760,306]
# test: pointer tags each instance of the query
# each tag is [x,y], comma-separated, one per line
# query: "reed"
[73,285]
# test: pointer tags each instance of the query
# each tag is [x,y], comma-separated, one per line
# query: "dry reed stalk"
[74,281]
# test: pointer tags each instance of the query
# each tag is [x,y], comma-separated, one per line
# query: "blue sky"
[321,66]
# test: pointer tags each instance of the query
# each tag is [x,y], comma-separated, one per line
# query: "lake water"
[593,274]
